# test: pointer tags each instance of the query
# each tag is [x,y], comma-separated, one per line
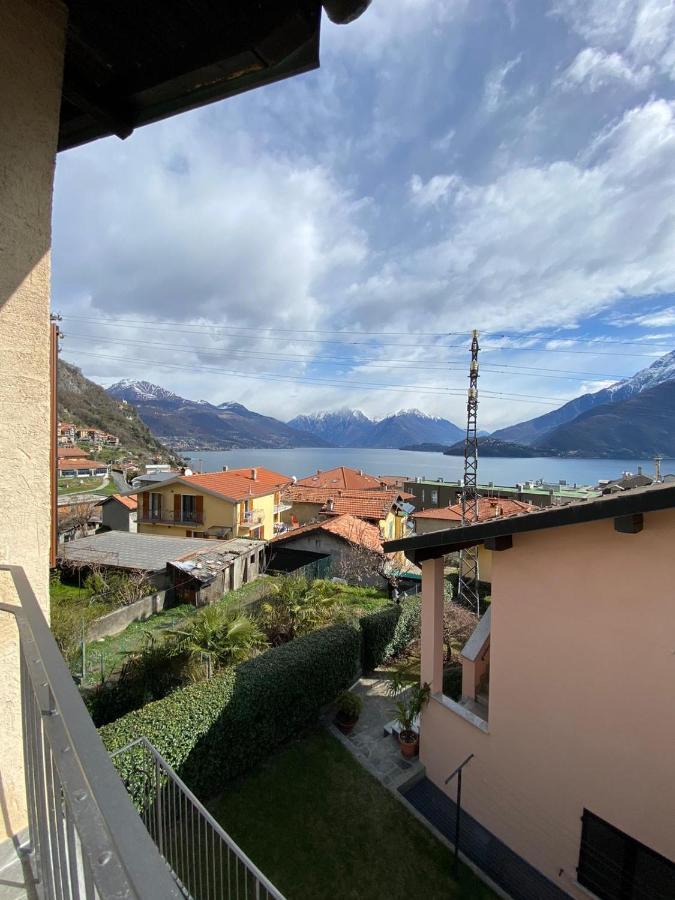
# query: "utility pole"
[468,559]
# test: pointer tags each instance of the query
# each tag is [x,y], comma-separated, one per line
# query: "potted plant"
[407,711]
[349,708]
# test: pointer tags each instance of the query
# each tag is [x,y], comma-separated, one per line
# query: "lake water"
[304,461]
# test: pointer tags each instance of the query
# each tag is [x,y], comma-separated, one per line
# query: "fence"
[205,860]
[86,840]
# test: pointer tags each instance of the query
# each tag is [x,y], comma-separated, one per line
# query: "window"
[434,497]
[615,866]
[188,508]
[155,506]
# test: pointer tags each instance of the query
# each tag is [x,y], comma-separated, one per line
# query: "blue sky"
[330,241]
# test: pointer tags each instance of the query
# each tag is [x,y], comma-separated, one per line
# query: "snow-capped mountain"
[351,428]
[198,424]
[534,431]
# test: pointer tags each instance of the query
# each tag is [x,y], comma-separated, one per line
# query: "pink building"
[567,700]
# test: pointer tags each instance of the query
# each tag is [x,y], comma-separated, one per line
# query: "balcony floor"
[16,879]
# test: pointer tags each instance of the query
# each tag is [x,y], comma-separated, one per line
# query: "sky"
[331,240]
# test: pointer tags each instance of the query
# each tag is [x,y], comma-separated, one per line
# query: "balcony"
[252,519]
[85,838]
[167,517]
[282,507]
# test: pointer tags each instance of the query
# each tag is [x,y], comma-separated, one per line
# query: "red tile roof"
[238,484]
[129,501]
[79,462]
[488,508]
[349,528]
[342,478]
[64,452]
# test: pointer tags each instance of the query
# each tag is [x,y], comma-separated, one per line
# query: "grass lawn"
[319,826]
[84,485]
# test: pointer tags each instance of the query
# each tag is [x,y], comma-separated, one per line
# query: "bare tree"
[75,518]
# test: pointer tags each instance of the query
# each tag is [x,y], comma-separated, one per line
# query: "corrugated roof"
[127,550]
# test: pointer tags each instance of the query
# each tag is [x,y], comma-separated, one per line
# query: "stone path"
[377,751]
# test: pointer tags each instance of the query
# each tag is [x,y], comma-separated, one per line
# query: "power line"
[417,389]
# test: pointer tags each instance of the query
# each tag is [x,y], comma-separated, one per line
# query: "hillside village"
[241,682]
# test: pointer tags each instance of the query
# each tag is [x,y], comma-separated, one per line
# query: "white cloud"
[664,318]
[494,84]
[433,191]
[594,69]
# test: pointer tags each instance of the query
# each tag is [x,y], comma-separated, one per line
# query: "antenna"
[467,585]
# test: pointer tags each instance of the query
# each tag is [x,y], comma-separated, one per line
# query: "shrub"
[377,630]
[452,682]
[408,628]
[215,730]
[349,705]
[293,607]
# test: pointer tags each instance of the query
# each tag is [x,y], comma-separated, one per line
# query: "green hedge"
[408,626]
[377,630]
[215,730]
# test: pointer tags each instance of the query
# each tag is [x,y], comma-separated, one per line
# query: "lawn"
[319,826]
[86,485]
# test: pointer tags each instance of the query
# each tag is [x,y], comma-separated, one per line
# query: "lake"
[303,461]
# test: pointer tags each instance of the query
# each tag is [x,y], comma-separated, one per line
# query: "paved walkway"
[376,750]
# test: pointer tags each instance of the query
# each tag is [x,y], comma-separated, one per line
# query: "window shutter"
[146,505]
[199,507]
[176,507]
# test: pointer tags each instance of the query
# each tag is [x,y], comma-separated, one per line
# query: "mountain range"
[351,428]
[200,425]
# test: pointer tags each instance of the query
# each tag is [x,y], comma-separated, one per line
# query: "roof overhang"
[128,64]
[450,540]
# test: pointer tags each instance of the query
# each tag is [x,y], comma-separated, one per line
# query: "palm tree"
[217,635]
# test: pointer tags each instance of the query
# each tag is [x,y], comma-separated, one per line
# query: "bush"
[349,705]
[452,682]
[377,630]
[213,731]
[408,628]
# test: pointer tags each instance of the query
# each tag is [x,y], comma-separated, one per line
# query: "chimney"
[360,471]
[254,474]
[225,468]
[639,471]
[657,468]
[330,504]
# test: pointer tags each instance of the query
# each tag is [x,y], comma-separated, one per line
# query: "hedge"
[215,730]
[377,630]
[407,628]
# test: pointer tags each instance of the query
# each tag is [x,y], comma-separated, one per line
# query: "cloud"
[431,193]
[494,84]
[594,69]
[663,318]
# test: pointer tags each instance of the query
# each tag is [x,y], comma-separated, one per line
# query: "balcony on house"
[282,507]
[85,838]
[170,517]
[252,518]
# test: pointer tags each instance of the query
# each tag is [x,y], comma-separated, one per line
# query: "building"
[234,503]
[202,577]
[429,520]
[342,478]
[81,467]
[78,517]
[567,698]
[434,494]
[118,512]
[67,434]
[340,546]
[68,77]
[627,482]
[386,508]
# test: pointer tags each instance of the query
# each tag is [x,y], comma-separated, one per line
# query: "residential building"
[233,503]
[341,478]
[386,508]
[78,518]
[118,512]
[433,519]
[433,494]
[69,77]
[342,546]
[567,720]
[67,434]
[81,467]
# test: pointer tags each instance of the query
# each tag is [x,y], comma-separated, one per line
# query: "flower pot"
[408,742]
[345,725]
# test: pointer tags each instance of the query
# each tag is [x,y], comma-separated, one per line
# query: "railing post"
[159,840]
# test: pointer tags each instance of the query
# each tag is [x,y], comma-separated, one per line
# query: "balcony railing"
[86,840]
[282,507]
[253,518]
[168,517]
[204,858]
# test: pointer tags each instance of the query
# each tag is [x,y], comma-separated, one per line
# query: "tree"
[217,636]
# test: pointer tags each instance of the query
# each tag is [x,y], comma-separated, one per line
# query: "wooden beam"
[504,542]
[631,524]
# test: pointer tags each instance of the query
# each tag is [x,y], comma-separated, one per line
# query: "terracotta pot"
[346,726]
[408,742]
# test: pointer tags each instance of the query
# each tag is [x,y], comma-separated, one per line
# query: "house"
[387,509]
[232,503]
[627,482]
[341,478]
[439,493]
[70,76]
[340,546]
[67,434]
[429,520]
[118,512]
[567,718]
[81,467]
[78,518]
[202,577]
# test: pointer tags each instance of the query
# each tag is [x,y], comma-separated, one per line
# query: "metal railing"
[205,860]
[282,507]
[170,518]
[86,840]
[253,517]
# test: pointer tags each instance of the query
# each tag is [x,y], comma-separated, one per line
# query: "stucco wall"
[31,59]
[581,695]
[345,562]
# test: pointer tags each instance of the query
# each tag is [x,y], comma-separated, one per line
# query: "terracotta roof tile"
[238,484]
[488,508]
[128,500]
[349,528]
[343,478]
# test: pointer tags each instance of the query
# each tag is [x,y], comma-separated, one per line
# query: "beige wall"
[31,59]
[581,712]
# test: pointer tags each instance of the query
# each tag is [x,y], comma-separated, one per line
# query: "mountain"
[491,447]
[351,428]
[85,403]
[342,428]
[200,425]
[534,430]
[642,425]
